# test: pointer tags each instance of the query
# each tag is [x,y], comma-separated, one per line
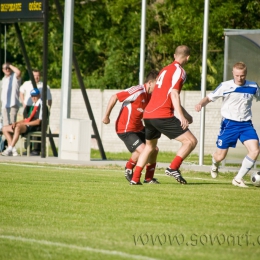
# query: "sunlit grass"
[50,212]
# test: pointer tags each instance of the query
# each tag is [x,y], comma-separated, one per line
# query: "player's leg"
[150,167]
[135,141]
[131,163]
[250,140]
[227,137]
[189,142]
[151,135]
[134,157]
[135,145]
[218,156]
[8,133]
[252,147]
[171,127]
[150,146]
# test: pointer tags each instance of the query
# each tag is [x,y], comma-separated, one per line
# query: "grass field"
[54,212]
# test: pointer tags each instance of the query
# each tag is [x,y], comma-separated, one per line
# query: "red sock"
[137,174]
[176,163]
[130,164]
[150,171]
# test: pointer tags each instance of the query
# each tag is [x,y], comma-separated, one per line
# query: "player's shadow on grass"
[208,183]
[197,183]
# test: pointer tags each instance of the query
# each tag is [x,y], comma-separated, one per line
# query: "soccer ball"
[255,179]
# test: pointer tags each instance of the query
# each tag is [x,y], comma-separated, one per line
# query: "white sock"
[246,166]
[214,162]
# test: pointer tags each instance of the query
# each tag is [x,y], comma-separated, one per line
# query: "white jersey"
[237,100]
[26,89]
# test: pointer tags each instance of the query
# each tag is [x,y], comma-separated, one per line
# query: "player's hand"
[198,107]
[14,125]
[106,120]
[184,123]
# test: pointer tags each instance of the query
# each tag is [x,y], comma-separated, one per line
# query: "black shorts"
[132,140]
[32,129]
[171,127]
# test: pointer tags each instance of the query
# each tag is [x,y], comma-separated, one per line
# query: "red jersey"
[134,101]
[170,77]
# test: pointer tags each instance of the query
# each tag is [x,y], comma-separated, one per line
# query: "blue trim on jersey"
[248,90]
[217,88]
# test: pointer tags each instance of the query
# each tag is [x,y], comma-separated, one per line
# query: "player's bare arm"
[110,106]
[175,97]
[202,104]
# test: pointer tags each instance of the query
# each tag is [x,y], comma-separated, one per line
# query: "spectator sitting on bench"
[30,124]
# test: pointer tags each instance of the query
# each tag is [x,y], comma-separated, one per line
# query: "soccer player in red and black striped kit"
[159,117]
[129,125]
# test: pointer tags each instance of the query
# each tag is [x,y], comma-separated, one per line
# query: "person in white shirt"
[10,93]
[26,88]
[237,95]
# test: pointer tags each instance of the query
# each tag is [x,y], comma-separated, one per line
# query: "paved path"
[97,162]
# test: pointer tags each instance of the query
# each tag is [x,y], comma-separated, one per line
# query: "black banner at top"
[21,10]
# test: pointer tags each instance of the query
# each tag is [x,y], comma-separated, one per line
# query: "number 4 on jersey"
[160,79]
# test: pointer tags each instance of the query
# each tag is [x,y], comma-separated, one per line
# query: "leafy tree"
[107,39]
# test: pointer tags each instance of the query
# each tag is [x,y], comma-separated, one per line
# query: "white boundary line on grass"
[63,168]
[39,166]
[81,248]
[55,167]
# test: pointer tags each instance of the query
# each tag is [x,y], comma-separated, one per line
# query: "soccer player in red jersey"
[159,117]
[129,125]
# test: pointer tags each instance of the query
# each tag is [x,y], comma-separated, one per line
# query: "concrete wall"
[99,100]
[110,140]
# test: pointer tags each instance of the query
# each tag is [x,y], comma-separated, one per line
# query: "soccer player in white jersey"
[237,95]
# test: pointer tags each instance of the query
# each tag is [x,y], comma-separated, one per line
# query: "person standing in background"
[10,93]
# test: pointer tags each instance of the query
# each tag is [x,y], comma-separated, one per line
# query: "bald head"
[182,51]
[182,54]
